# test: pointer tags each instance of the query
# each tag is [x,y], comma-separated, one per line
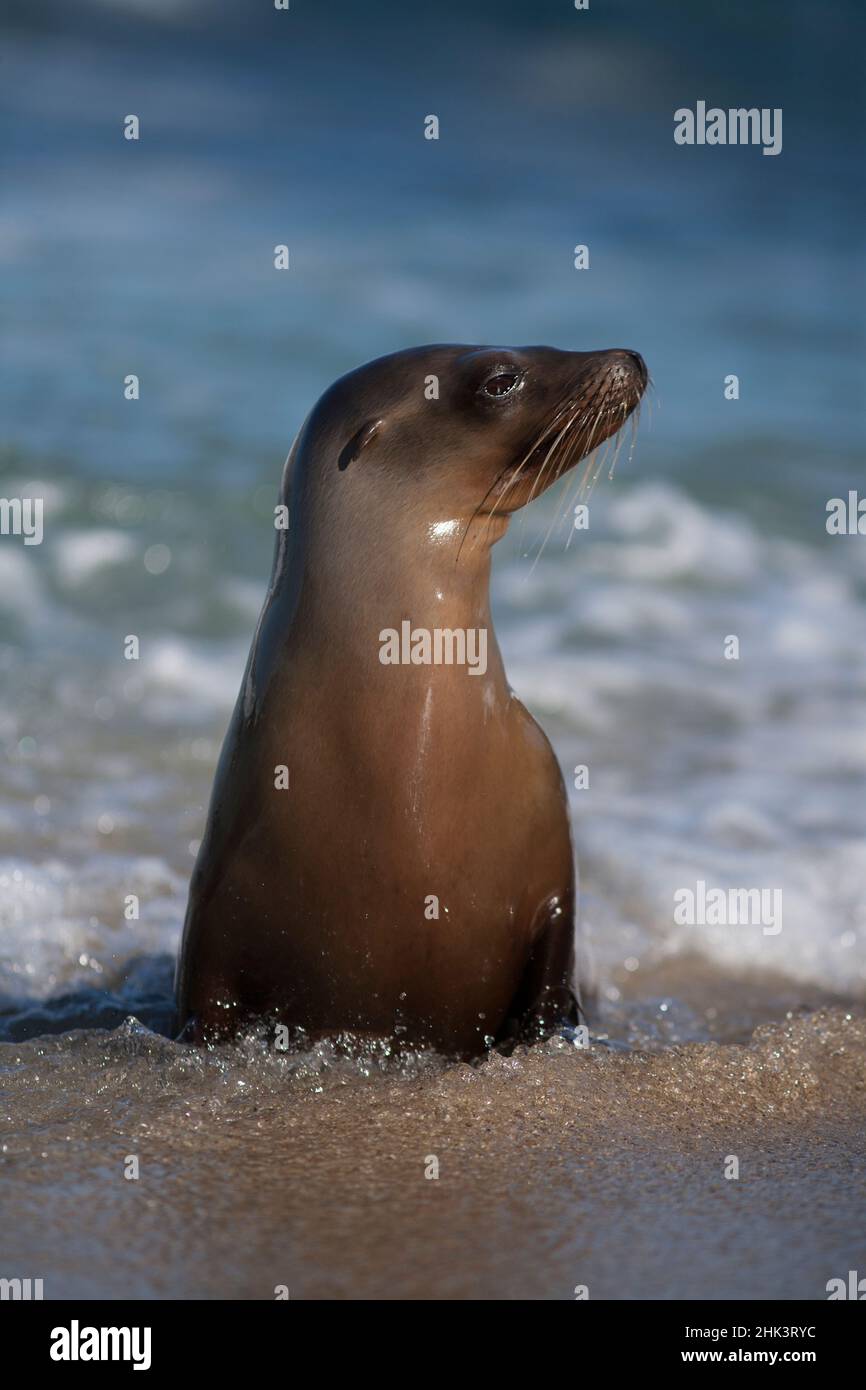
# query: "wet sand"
[557,1168]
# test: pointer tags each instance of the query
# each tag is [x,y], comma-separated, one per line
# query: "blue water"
[306,128]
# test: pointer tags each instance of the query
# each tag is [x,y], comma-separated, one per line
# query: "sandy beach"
[557,1169]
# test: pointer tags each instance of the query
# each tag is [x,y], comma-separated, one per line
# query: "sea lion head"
[461,432]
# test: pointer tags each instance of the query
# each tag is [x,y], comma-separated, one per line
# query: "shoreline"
[557,1169]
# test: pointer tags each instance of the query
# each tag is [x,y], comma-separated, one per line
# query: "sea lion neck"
[437,573]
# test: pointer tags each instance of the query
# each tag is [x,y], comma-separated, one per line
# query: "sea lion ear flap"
[365,435]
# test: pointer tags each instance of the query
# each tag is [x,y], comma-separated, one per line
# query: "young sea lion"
[388,850]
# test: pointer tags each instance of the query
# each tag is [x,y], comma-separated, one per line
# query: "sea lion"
[388,850]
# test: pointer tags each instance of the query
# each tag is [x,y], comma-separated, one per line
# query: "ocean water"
[156,258]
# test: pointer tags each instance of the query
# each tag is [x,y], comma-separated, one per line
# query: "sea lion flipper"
[546,998]
[192,1031]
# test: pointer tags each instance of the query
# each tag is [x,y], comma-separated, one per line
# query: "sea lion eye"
[500,383]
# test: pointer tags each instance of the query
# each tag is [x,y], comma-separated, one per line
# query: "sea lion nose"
[639,363]
[635,361]
[625,367]
[627,360]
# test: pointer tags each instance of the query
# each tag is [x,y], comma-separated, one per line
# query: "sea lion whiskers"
[553,453]
[512,480]
[573,443]
[561,509]
[588,476]
[562,438]
[577,411]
